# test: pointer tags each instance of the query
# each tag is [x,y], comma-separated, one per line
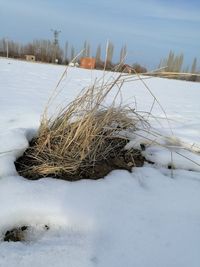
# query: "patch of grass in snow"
[86,139]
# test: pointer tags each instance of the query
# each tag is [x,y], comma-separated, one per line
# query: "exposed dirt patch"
[19,234]
[16,234]
[118,158]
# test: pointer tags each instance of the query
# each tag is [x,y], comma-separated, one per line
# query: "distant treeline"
[175,64]
[50,51]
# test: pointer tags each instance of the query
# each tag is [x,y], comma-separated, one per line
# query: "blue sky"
[149,28]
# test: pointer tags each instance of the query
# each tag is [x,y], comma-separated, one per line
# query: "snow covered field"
[144,218]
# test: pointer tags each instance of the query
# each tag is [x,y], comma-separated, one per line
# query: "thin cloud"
[150,25]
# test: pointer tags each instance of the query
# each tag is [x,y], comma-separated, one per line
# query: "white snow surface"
[150,217]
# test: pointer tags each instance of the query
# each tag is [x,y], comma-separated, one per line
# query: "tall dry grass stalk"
[82,133]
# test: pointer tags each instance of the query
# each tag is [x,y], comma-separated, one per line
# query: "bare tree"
[194,66]
[66,60]
[98,54]
[170,61]
[86,49]
[123,54]
[72,53]
[109,54]
[173,63]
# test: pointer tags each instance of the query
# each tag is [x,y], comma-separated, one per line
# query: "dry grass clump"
[82,135]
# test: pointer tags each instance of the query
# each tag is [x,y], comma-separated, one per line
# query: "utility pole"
[55,43]
[55,34]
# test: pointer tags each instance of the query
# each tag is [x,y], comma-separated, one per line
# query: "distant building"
[30,57]
[87,63]
[127,68]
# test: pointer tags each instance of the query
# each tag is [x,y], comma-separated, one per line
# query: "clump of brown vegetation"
[85,139]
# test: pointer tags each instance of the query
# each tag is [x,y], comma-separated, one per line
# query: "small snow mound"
[175,158]
[13,143]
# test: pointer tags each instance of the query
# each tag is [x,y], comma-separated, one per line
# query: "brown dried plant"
[82,133]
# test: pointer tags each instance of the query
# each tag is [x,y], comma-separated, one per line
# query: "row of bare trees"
[49,51]
[43,50]
[175,63]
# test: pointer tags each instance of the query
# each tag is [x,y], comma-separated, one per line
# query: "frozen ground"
[143,218]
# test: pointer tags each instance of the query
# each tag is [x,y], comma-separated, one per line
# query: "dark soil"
[118,158]
[18,234]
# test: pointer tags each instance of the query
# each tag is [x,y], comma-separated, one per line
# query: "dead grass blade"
[82,133]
